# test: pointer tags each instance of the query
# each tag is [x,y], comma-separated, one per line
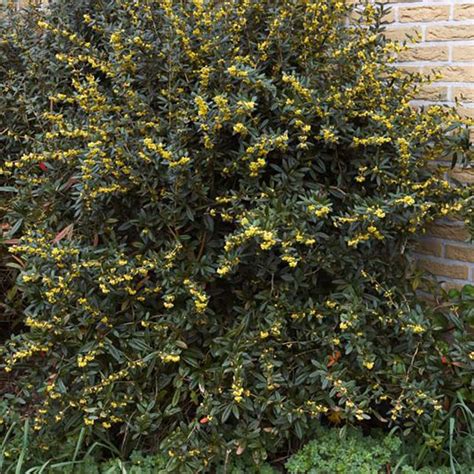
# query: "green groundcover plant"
[345,451]
[335,451]
[211,205]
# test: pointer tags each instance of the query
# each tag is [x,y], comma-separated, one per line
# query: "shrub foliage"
[214,203]
[341,452]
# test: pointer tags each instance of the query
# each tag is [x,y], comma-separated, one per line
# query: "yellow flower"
[236,72]
[379,213]
[240,128]
[246,105]
[323,211]
[201,105]
[416,328]
[256,166]
[292,261]
[407,200]
[329,135]
[170,358]
[224,270]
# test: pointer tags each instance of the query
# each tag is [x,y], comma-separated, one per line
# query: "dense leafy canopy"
[215,203]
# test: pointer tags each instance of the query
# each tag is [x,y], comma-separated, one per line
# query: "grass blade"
[3,445]
[24,448]
[451,435]
[79,443]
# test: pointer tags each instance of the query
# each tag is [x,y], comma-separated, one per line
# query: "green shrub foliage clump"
[332,452]
[341,451]
[214,203]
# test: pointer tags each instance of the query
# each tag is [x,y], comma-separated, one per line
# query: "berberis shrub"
[214,203]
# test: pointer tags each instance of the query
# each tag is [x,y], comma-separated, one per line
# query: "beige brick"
[410,69]
[420,13]
[432,53]
[450,232]
[433,93]
[452,73]
[429,247]
[455,252]
[449,285]
[25,3]
[460,272]
[463,53]
[464,176]
[466,113]
[465,94]
[389,16]
[464,12]
[446,33]
[394,1]
[403,33]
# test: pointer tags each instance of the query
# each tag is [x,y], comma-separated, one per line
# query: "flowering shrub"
[214,204]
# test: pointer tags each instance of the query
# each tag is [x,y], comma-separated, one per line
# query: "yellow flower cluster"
[415,328]
[268,238]
[315,409]
[27,352]
[291,260]
[297,86]
[41,325]
[113,377]
[319,211]
[259,150]
[234,71]
[406,200]
[200,298]
[83,360]
[238,392]
[167,358]
[202,106]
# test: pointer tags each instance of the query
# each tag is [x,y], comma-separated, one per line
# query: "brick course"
[446,46]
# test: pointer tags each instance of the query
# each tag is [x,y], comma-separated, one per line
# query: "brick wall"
[20,3]
[446,31]
[446,45]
